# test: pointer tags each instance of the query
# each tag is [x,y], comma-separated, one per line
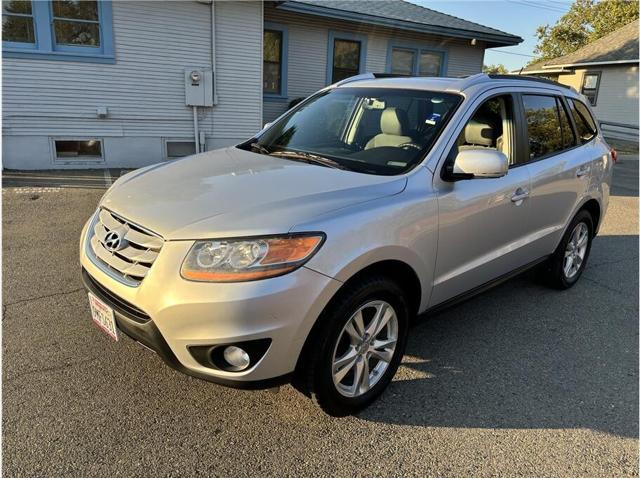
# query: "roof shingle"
[411,16]
[620,45]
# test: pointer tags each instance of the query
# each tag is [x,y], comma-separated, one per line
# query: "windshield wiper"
[257,147]
[309,158]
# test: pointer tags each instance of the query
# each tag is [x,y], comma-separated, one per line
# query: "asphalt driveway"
[519,381]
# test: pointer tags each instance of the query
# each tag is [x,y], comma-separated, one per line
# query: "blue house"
[92,84]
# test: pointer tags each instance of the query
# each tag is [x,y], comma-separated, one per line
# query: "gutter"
[590,63]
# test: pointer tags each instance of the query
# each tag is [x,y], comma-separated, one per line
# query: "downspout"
[213,51]
[196,131]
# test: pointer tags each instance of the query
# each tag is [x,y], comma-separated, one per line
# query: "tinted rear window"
[585,124]
[543,125]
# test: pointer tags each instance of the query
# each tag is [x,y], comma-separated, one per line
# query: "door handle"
[520,195]
[582,170]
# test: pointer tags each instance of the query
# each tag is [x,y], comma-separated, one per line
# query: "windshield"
[370,130]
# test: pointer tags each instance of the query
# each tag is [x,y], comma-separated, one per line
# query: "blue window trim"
[45,47]
[338,35]
[284,62]
[418,48]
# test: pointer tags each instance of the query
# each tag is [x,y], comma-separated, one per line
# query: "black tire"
[314,375]
[552,272]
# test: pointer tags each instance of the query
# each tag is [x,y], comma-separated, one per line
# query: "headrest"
[479,133]
[394,121]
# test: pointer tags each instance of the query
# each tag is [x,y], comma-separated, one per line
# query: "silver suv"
[302,254]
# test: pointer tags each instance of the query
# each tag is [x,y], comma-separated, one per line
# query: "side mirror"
[480,163]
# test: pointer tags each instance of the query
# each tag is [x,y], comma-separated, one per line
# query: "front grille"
[117,303]
[131,261]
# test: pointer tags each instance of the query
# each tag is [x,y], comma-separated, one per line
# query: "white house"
[124,84]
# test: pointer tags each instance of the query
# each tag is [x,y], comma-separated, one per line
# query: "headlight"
[238,260]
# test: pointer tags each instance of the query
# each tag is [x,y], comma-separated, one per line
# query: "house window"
[76,23]
[415,61]
[402,61]
[430,64]
[590,85]
[346,55]
[17,22]
[78,150]
[179,148]
[346,59]
[272,61]
[70,30]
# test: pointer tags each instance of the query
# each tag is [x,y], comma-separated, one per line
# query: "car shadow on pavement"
[525,356]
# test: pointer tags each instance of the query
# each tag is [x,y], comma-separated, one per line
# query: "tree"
[586,21]
[498,69]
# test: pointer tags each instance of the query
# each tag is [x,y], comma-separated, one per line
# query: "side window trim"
[565,104]
[522,137]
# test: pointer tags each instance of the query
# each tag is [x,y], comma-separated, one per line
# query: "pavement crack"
[604,286]
[46,296]
[51,369]
[606,263]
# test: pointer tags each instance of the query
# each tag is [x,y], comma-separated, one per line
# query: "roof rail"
[368,76]
[363,76]
[467,81]
[529,78]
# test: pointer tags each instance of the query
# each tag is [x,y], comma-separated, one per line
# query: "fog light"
[236,357]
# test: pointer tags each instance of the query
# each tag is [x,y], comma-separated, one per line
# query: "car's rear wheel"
[354,353]
[567,263]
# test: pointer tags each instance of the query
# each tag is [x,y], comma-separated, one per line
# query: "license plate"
[103,316]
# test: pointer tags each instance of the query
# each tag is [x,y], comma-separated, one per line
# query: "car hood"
[232,192]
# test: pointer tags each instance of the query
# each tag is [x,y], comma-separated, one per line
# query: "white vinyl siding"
[144,89]
[617,94]
[307,58]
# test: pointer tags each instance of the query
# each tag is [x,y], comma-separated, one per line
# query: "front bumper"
[171,315]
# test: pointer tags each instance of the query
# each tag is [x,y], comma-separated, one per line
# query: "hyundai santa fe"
[303,254]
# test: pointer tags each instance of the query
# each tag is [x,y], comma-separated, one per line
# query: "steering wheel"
[410,144]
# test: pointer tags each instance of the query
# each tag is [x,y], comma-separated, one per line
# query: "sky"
[519,17]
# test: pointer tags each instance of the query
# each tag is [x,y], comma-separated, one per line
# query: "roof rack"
[368,76]
[528,78]
[466,81]
[469,80]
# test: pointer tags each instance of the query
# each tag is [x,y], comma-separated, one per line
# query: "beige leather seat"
[478,134]
[393,124]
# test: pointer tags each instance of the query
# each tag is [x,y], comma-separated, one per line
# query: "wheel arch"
[397,270]
[592,206]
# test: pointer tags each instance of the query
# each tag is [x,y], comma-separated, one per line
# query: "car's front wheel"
[356,350]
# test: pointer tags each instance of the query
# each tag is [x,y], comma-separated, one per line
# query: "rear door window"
[585,124]
[543,125]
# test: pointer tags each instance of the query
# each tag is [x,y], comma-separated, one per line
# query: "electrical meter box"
[198,86]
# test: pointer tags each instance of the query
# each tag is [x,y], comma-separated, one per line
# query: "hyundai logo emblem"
[114,241]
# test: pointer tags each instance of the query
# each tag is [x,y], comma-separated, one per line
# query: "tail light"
[614,155]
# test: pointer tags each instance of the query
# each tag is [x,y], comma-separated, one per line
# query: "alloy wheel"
[365,348]
[576,250]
